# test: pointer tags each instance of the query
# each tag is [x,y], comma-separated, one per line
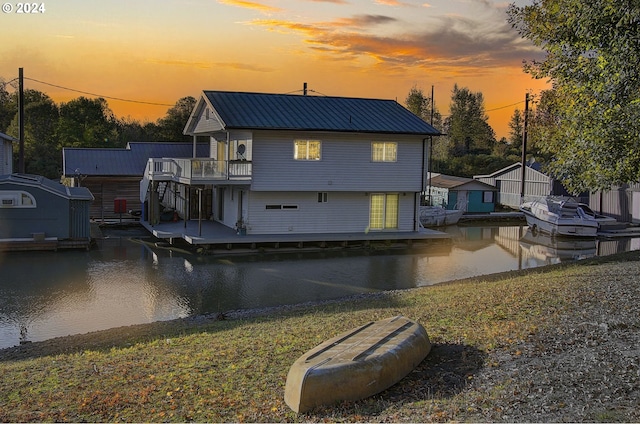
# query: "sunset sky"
[158,51]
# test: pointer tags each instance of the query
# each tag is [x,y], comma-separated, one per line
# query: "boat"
[604,222]
[559,216]
[356,364]
[437,216]
[542,248]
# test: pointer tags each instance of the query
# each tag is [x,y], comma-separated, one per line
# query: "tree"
[87,123]
[592,51]
[171,126]
[420,105]
[6,108]
[42,152]
[467,126]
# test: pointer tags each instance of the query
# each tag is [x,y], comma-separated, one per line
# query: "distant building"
[508,182]
[112,174]
[6,153]
[461,193]
[35,208]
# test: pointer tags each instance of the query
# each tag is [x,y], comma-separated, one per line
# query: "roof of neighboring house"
[129,161]
[7,137]
[536,166]
[27,180]
[235,110]
[452,182]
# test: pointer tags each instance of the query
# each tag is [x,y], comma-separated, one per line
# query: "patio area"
[213,233]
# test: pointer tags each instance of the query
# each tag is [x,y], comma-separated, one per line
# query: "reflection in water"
[127,281]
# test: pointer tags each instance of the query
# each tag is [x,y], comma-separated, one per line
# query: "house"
[112,174]
[6,154]
[508,182]
[295,164]
[36,209]
[468,194]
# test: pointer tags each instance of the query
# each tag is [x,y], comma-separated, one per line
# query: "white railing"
[198,169]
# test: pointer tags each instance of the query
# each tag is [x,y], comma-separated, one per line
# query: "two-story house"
[293,164]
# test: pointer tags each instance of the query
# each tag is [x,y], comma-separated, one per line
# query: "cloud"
[449,41]
[241,66]
[251,5]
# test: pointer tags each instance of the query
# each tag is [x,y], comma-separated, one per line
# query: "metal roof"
[452,181]
[130,161]
[7,137]
[74,193]
[314,113]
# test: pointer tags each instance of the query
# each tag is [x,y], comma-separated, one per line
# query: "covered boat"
[437,216]
[356,364]
[559,215]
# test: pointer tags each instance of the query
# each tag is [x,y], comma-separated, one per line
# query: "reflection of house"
[36,209]
[290,164]
[6,154]
[508,182]
[116,173]
[461,193]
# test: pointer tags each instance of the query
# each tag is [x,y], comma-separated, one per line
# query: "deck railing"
[198,169]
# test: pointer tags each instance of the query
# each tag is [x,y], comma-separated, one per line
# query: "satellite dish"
[241,149]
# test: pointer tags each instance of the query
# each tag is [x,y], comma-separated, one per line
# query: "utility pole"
[524,147]
[21,119]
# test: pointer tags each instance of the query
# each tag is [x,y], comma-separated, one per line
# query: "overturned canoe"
[356,364]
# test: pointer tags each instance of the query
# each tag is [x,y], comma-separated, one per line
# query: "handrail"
[197,169]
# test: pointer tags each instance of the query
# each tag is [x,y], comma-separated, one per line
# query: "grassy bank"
[211,370]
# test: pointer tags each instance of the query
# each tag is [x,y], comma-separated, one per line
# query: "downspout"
[195,142]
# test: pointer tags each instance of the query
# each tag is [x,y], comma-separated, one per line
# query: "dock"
[213,235]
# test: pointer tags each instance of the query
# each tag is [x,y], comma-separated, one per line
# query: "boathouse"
[113,175]
[36,212]
[293,165]
[6,153]
[508,183]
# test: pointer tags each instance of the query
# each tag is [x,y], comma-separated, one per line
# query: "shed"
[6,153]
[508,183]
[112,174]
[32,206]
[467,194]
[620,202]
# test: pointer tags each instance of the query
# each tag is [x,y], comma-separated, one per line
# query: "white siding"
[344,212]
[345,164]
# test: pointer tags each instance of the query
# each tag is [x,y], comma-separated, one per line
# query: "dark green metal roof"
[315,113]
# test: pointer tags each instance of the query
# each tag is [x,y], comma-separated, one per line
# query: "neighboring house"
[508,182]
[292,164]
[112,174]
[34,207]
[6,154]
[452,192]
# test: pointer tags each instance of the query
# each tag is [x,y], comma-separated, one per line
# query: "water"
[124,280]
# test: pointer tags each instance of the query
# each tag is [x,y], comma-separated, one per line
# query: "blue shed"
[34,207]
[461,193]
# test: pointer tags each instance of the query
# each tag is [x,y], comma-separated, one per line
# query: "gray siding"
[344,212]
[509,184]
[345,164]
[6,156]
[50,216]
[617,202]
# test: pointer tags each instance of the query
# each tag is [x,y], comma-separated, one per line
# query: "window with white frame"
[384,151]
[306,149]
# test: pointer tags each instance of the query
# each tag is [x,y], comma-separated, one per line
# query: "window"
[17,199]
[487,197]
[384,211]
[384,151]
[323,197]
[306,150]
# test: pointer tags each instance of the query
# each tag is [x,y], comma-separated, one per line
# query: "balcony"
[197,170]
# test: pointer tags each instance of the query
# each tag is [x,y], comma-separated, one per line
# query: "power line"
[504,107]
[97,95]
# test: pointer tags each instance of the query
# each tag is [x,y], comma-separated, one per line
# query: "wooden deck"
[214,233]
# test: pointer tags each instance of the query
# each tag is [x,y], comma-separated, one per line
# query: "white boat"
[356,364]
[604,222]
[559,216]
[437,216]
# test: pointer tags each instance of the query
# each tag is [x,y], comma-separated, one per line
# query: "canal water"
[126,279]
